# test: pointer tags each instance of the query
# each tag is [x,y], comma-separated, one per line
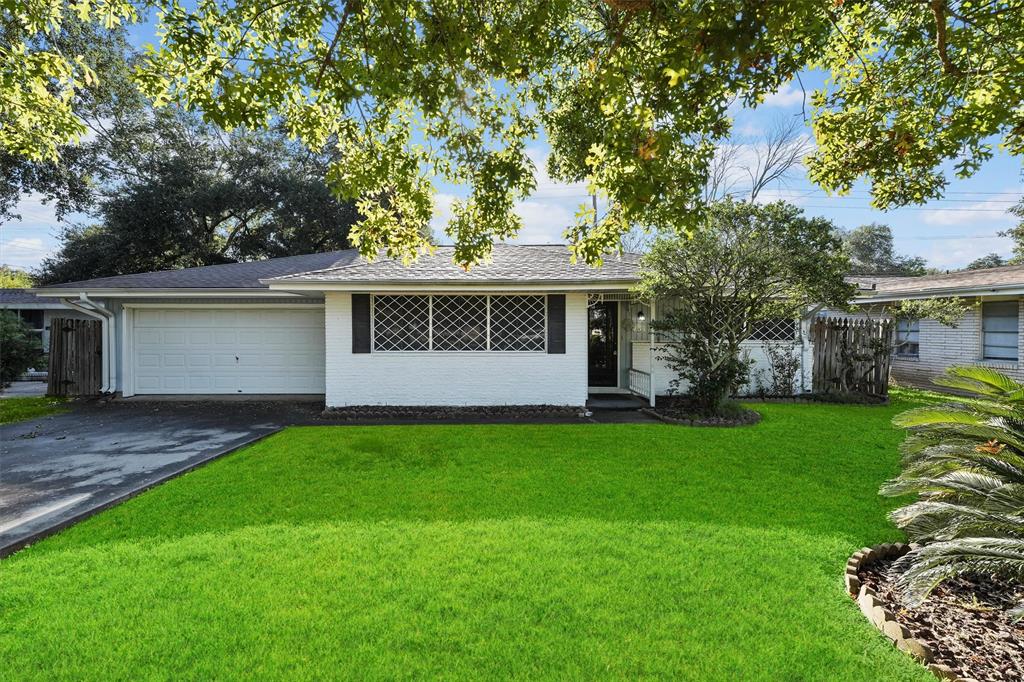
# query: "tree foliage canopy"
[13,278]
[188,196]
[632,95]
[990,260]
[748,263]
[872,252]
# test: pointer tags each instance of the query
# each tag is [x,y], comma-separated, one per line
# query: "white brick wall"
[942,347]
[436,378]
[663,374]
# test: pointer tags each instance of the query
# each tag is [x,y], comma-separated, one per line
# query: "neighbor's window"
[774,329]
[999,330]
[459,323]
[907,335]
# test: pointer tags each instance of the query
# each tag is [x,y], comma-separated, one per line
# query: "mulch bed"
[451,413]
[677,411]
[965,622]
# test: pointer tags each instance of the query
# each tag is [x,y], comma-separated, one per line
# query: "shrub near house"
[19,347]
[747,264]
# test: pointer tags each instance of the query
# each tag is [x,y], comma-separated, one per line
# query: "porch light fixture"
[640,317]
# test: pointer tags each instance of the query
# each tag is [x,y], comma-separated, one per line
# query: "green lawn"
[578,551]
[19,409]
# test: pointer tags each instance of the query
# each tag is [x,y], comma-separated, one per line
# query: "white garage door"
[261,350]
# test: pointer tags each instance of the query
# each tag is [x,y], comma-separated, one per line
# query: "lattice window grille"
[459,323]
[518,323]
[775,329]
[401,322]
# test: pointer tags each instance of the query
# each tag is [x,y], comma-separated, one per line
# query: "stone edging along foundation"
[880,616]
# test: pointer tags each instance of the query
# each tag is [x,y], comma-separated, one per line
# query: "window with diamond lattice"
[401,323]
[460,322]
[774,329]
[517,323]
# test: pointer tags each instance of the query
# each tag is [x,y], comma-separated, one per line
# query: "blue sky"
[949,233]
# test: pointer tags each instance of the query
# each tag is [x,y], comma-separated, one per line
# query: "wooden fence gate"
[76,357]
[852,355]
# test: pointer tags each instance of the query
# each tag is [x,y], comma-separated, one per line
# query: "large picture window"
[999,330]
[459,323]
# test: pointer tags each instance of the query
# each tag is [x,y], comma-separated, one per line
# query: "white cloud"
[788,95]
[442,214]
[792,196]
[544,221]
[23,252]
[33,211]
[949,254]
[748,129]
[980,213]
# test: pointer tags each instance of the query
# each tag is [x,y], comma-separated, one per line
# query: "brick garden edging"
[880,616]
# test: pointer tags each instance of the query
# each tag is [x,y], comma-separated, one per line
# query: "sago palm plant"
[965,461]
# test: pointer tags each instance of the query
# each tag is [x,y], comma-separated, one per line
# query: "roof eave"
[944,292]
[152,292]
[449,285]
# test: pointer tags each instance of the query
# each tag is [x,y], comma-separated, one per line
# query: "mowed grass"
[20,409]
[475,552]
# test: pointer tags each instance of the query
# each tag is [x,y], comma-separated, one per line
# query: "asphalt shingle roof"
[1005,276]
[227,276]
[509,263]
[12,296]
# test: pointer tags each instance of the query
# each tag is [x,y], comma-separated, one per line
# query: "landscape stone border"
[749,419]
[815,398]
[880,616]
[452,413]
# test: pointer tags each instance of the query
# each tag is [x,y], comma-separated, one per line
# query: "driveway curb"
[10,548]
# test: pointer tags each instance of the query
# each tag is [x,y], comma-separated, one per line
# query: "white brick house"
[991,333]
[529,327]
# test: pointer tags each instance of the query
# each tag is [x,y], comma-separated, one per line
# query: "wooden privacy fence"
[76,357]
[852,355]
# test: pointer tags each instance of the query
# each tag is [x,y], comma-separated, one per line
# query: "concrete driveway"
[56,470]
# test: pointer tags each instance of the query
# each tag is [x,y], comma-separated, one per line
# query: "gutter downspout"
[806,356]
[89,307]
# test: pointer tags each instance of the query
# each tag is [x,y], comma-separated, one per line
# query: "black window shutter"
[360,323]
[556,323]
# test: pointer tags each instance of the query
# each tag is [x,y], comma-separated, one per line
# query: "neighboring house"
[36,312]
[989,334]
[528,327]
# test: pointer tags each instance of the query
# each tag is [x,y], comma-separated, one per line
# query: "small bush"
[783,365]
[19,347]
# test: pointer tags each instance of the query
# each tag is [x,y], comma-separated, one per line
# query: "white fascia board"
[166,293]
[955,292]
[42,305]
[448,285]
[224,306]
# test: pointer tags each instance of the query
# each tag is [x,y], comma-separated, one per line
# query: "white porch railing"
[640,382]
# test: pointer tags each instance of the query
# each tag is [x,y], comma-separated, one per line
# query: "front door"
[603,356]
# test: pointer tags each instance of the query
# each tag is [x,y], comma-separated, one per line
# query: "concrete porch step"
[614,401]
